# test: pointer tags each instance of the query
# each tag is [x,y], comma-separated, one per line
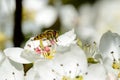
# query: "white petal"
[30,55]
[86,15]
[34,4]
[96,72]
[30,27]
[7,7]
[108,65]
[70,59]
[110,42]
[46,17]
[111,77]
[15,55]
[41,72]
[30,45]
[2,57]
[10,70]
[68,16]
[32,75]
[73,60]
[86,33]
[67,38]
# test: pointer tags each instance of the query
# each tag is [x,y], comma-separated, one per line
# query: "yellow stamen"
[115,65]
[50,55]
[79,78]
[119,75]
[79,42]
[92,60]
[66,78]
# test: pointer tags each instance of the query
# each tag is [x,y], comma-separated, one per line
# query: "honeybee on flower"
[48,34]
[43,48]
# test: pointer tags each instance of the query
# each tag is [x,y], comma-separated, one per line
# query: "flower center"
[47,51]
[43,47]
[91,51]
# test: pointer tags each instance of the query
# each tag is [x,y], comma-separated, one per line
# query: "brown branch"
[18,35]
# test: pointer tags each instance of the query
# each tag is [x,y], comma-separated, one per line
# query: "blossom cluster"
[90,21]
[88,50]
[66,59]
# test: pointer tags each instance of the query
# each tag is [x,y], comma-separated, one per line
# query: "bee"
[48,34]
[51,34]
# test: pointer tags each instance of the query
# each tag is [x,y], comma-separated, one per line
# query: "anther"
[13,73]
[53,70]
[54,79]
[61,64]
[112,52]
[70,72]
[86,73]
[77,64]
[77,76]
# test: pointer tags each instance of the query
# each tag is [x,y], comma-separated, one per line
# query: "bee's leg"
[41,44]
[49,37]
[52,37]
[56,40]
[56,43]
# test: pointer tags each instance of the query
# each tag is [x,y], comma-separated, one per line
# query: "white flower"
[15,55]
[92,52]
[85,29]
[37,14]
[97,19]
[108,16]
[35,4]
[111,76]
[110,48]
[86,33]
[40,49]
[86,15]
[6,15]
[10,70]
[68,16]
[6,9]
[96,72]
[70,65]
[65,65]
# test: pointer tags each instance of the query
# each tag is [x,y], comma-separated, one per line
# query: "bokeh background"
[22,19]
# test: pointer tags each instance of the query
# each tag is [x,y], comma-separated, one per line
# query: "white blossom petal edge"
[110,48]
[67,38]
[10,70]
[15,55]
